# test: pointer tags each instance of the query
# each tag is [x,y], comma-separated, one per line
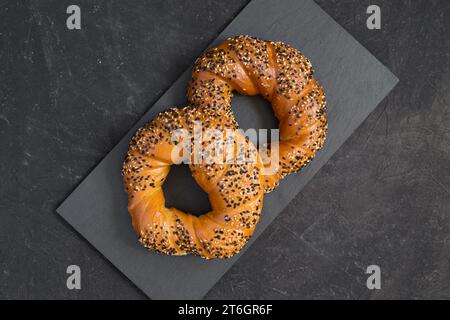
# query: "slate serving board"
[354,81]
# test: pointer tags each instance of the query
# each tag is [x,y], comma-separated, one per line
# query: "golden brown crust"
[250,66]
[279,73]
[234,189]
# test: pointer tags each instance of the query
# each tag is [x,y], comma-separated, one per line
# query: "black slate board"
[354,81]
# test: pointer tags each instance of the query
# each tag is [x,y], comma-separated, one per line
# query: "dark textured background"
[67,97]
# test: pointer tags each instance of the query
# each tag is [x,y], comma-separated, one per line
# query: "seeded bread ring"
[234,189]
[283,76]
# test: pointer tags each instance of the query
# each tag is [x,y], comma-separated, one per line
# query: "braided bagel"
[234,189]
[283,76]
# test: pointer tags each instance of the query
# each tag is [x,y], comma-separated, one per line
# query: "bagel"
[234,189]
[283,76]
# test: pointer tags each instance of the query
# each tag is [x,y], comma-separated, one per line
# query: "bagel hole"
[182,192]
[254,112]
